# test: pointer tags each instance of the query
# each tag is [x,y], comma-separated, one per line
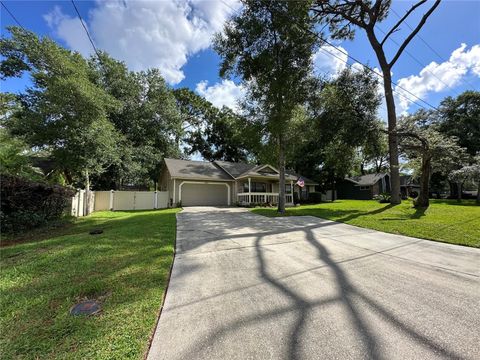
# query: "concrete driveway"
[245,286]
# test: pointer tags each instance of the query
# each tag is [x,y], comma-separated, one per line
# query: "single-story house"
[194,183]
[408,186]
[363,187]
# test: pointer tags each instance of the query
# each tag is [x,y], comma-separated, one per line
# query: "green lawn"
[126,267]
[445,220]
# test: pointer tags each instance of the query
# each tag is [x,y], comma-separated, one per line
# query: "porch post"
[249,191]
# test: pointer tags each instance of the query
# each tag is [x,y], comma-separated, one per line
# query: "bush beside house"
[26,204]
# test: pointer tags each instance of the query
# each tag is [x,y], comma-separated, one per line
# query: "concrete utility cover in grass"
[89,307]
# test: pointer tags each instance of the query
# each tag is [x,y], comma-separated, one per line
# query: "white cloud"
[145,34]
[225,93]
[330,60]
[435,77]
[70,30]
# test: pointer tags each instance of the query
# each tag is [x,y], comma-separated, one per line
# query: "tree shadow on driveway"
[347,295]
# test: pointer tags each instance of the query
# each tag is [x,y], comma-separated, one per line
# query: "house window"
[288,189]
[364,187]
[255,187]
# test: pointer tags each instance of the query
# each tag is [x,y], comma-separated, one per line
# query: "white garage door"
[204,194]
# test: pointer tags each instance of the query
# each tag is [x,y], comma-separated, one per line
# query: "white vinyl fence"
[118,200]
[79,203]
[328,195]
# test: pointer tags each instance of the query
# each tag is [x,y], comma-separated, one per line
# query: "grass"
[445,220]
[126,268]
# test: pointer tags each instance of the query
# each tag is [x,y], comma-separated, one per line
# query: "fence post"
[111,200]
[155,199]
[78,202]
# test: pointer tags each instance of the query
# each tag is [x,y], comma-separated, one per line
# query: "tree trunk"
[453,189]
[334,190]
[87,193]
[392,117]
[392,140]
[281,169]
[422,200]
[478,192]
[459,191]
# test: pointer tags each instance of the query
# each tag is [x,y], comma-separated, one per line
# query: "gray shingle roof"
[189,169]
[221,170]
[296,176]
[235,169]
[366,180]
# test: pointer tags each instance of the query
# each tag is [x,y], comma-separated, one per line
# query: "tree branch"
[414,32]
[407,14]
[325,8]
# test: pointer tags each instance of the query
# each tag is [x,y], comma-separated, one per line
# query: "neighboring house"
[408,186]
[226,183]
[363,187]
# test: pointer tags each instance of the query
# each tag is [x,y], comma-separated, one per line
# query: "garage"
[204,194]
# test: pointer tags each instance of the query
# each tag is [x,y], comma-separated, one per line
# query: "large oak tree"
[343,17]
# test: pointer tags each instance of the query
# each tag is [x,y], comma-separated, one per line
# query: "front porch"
[262,198]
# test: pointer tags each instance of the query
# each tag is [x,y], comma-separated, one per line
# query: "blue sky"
[175,36]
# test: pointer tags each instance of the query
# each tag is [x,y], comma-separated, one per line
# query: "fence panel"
[81,203]
[162,199]
[102,200]
[90,203]
[76,205]
[124,200]
[118,200]
[144,200]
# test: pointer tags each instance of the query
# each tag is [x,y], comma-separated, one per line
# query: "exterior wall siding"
[348,190]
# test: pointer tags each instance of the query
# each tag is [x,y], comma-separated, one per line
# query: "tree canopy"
[427,149]
[460,117]
[343,18]
[272,56]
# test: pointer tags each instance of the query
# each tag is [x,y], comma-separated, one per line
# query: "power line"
[377,74]
[11,14]
[86,30]
[418,35]
[419,62]
[429,46]
[371,70]
[360,63]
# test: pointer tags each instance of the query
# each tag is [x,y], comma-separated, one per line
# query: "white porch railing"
[262,198]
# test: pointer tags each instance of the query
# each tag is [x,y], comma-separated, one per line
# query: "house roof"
[195,170]
[297,176]
[235,169]
[224,170]
[366,180]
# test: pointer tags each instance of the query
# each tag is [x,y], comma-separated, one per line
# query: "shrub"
[315,197]
[383,198]
[27,204]
[312,198]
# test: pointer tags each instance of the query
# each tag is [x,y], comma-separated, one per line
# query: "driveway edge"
[152,335]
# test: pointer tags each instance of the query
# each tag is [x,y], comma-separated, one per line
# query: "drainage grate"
[89,307]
